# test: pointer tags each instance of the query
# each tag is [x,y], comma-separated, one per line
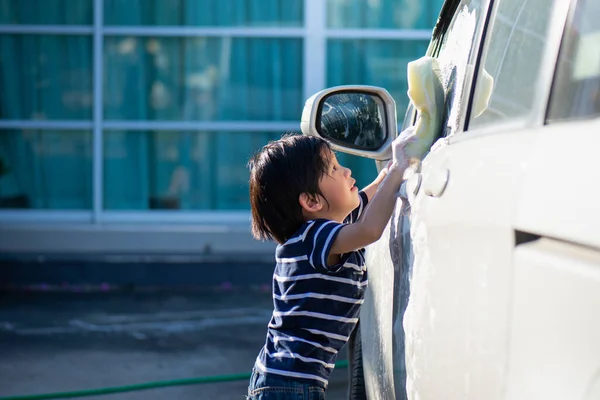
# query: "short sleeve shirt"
[316,305]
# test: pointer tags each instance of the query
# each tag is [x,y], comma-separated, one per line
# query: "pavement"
[55,340]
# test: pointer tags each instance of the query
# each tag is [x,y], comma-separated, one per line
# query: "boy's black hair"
[279,173]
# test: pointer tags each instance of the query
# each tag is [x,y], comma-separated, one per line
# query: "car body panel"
[557,277]
[457,318]
[554,348]
[560,181]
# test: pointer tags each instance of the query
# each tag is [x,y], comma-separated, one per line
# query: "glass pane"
[353,119]
[576,92]
[46,169]
[45,77]
[513,58]
[46,12]
[263,13]
[221,79]
[456,61]
[383,14]
[161,170]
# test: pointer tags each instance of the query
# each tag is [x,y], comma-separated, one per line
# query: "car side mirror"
[359,120]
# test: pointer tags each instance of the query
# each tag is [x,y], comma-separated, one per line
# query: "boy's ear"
[310,203]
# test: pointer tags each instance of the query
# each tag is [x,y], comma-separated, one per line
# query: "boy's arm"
[370,226]
[375,217]
[371,188]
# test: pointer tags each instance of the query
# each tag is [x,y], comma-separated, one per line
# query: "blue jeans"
[275,387]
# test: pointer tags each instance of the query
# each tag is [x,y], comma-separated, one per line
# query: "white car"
[486,284]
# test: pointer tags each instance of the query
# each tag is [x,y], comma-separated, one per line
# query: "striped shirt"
[316,306]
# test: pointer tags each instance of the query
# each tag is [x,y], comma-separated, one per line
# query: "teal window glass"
[46,169]
[162,170]
[372,62]
[46,77]
[219,79]
[46,12]
[383,14]
[239,13]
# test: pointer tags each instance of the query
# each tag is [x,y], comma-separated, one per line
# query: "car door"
[390,259]
[463,215]
[555,351]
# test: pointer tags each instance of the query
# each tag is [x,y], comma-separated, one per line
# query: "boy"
[305,200]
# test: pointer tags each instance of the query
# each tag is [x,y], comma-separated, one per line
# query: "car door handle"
[435,182]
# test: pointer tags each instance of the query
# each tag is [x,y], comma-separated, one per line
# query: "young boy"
[305,200]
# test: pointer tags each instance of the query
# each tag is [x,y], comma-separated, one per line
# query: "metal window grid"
[314,34]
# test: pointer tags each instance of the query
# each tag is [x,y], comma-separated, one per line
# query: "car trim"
[567,23]
[551,56]
[482,35]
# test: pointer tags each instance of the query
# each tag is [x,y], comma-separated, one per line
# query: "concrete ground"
[64,341]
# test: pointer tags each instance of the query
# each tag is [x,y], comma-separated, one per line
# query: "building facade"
[126,125]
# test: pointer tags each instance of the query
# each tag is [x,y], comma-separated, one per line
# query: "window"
[165,109]
[374,62]
[46,169]
[239,13]
[168,170]
[576,91]
[453,47]
[511,62]
[46,12]
[46,77]
[382,14]
[200,78]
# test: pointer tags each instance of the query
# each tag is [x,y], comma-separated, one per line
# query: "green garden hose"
[142,386]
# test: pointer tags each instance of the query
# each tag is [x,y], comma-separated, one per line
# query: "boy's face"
[338,188]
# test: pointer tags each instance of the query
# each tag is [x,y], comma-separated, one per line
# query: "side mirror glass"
[359,120]
[353,119]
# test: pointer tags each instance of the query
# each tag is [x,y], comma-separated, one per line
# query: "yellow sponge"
[427,95]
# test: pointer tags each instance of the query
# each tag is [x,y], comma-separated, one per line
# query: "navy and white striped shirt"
[316,306]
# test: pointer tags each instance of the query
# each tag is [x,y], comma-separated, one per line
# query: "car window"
[453,48]
[511,62]
[576,91]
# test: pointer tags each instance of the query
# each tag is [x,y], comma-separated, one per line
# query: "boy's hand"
[398,164]
[376,215]
[400,160]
